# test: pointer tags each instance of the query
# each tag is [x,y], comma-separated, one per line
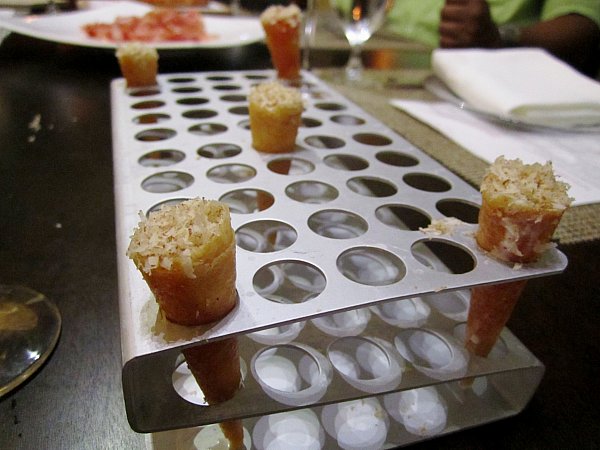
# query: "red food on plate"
[158,25]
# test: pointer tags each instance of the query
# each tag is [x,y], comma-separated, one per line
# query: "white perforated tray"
[343,224]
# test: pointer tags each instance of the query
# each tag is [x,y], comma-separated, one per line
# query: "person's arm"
[572,37]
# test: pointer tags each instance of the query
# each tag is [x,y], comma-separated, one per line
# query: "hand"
[468,23]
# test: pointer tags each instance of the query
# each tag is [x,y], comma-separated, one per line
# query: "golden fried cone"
[282,31]
[521,208]
[275,113]
[186,254]
[138,63]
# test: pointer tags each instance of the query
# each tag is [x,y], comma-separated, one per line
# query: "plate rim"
[19,24]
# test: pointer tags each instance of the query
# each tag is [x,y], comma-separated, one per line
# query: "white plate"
[437,87]
[66,27]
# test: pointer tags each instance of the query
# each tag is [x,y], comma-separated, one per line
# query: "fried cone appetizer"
[138,63]
[282,30]
[186,254]
[275,112]
[522,205]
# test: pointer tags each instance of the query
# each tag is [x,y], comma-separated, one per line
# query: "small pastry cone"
[275,112]
[522,205]
[186,254]
[138,63]
[282,30]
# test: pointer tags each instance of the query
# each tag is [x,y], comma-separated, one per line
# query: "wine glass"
[359,19]
[29,329]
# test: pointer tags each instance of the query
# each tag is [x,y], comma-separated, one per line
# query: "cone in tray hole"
[282,32]
[275,113]
[186,254]
[522,205]
[138,63]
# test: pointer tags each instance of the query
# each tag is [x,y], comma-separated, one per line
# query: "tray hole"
[358,358]
[290,374]
[219,78]
[424,348]
[155,134]
[186,385]
[207,437]
[397,159]
[290,166]
[239,110]
[357,424]
[234,98]
[298,430]
[465,211]
[372,187]
[231,173]
[248,201]
[337,224]
[227,87]
[372,139]
[308,122]
[289,282]
[144,92]
[244,124]
[148,104]
[422,411]
[253,76]
[170,202]
[199,114]
[192,101]
[178,80]
[147,119]
[286,368]
[219,150]
[443,256]
[453,305]
[207,129]
[164,182]
[161,158]
[426,182]
[402,217]
[347,323]
[324,142]
[347,119]
[346,162]
[405,313]
[313,192]
[329,106]
[371,266]
[186,90]
[265,236]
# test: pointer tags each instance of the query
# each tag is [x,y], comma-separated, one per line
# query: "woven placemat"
[579,224]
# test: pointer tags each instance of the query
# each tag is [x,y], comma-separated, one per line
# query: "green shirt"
[419,19]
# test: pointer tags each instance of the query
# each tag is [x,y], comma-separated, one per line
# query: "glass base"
[30,325]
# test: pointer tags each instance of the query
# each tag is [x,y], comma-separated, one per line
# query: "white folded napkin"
[525,84]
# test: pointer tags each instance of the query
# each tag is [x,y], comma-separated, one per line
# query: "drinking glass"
[359,20]
[29,329]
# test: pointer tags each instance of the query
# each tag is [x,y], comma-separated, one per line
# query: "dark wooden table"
[57,236]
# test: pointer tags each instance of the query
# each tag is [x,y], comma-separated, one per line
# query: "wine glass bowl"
[30,325]
[359,20]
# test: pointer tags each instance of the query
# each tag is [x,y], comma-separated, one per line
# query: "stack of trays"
[342,296]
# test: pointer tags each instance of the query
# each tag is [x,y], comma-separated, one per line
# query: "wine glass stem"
[354,68]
